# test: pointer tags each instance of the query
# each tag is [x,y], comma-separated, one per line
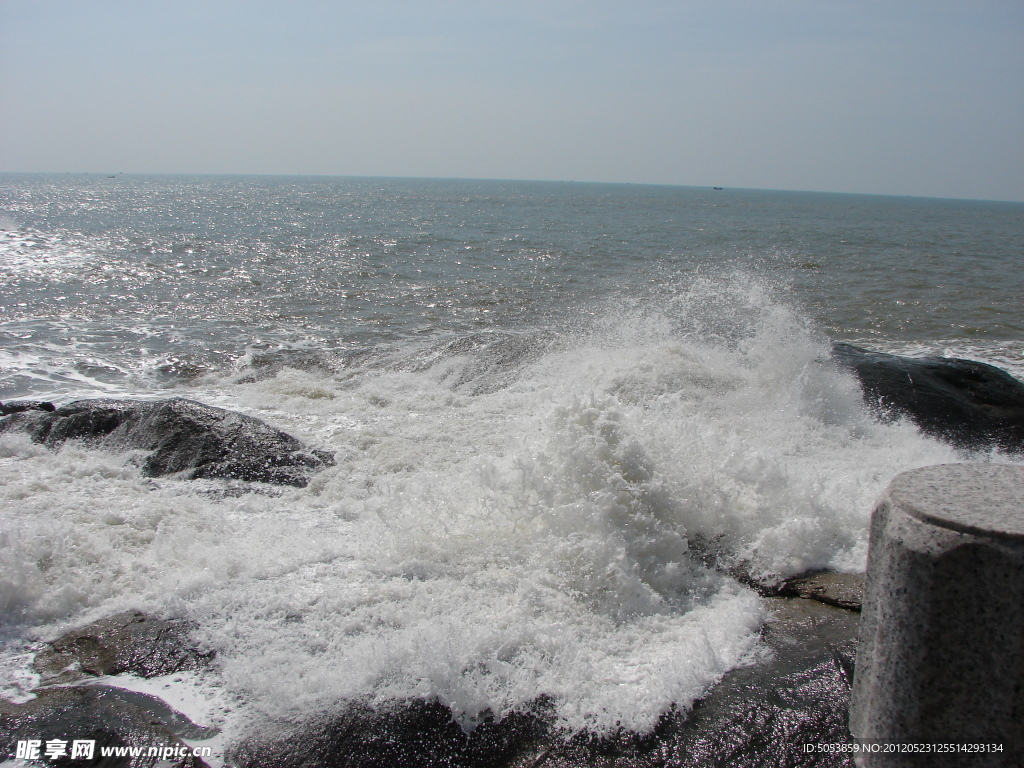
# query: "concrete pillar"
[941,654]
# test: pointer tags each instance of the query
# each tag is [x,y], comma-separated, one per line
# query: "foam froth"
[569,527]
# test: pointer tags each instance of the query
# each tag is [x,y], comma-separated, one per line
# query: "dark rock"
[102,714]
[758,716]
[969,404]
[762,715]
[128,642]
[765,714]
[414,734]
[183,436]
[112,717]
[25,405]
[843,590]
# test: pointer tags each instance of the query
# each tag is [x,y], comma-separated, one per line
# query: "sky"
[900,97]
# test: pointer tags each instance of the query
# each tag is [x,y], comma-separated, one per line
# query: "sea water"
[565,417]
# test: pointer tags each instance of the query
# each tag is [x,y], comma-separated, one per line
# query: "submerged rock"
[966,403]
[183,436]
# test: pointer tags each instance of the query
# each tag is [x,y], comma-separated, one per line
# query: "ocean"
[553,407]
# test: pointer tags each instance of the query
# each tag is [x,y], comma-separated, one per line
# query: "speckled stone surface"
[941,653]
[984,499]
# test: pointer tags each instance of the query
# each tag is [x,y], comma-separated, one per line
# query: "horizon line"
[716,187]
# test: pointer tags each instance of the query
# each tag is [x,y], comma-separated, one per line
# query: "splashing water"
[557,515]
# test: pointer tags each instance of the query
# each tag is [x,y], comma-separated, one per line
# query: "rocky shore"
[773,712]
[795,693]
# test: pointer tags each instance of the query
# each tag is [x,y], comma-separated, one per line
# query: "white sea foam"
[25,251]
[486,546]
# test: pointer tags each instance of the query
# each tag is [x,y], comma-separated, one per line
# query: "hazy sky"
[880,96]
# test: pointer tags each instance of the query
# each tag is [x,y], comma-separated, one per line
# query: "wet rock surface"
[129,642]
[761,715]
[100,714]
[843,590]
[415,733]
[17,406]
[182,436]
[966,403]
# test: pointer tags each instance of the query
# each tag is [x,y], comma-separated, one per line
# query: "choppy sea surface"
[549,402]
